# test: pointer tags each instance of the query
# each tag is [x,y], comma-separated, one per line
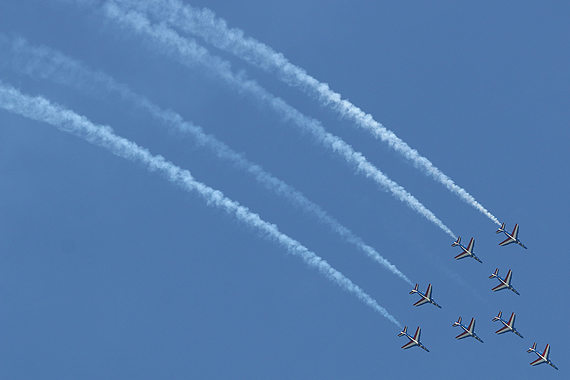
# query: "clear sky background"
[108,271]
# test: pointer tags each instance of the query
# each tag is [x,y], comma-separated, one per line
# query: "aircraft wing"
[509,276]
[417,334]
[515,231]
[507,241]
[428,291]
[464,334]
[421,302]
[538,361]
[512,320]
[499,287]
[471,244]
[546,351]
[462,255]
[471,325]
[503,330]
[411,343]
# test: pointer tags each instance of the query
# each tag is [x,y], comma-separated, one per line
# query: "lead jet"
[426,297]
[511,238]
[509,326]
[468,331]
[414,341]
[505,282]
[467,251]
[542,358]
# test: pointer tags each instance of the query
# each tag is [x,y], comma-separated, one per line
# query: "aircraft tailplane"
[404,331]
[533,348]
[414,290]
[501,229]
[498,316]
[458,322]
[495,274]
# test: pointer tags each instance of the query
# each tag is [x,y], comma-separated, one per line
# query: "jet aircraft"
[467,251]
[542,358]
[508,326]
[468,331]
[426,297]
[505,282]
[414,341]
[511,238]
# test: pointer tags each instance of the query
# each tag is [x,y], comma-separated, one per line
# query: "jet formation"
[504,283]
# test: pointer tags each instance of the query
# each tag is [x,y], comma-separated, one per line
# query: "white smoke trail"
[189,53]
[40,109]
[205,24]
[50,64]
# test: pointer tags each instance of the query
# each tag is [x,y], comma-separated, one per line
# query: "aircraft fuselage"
[545,360]
[417,342]
[511,328]
[428,299]
[413,340]
[468,251]
[466,329]
[509,286]
[516,240]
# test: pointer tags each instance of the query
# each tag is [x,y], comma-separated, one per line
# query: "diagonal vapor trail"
[188,52]
[40,109]
[50,64]
[205,24]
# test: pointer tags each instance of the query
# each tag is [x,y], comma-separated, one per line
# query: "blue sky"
[109,271]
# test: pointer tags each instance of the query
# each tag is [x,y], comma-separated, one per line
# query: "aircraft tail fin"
[498,316]
[404,331]
[533,348]
[501,229]
[414,290]
[457,242]
[495,274]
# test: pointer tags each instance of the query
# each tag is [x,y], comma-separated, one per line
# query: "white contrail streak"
[40,109]
[50,64]
[188,53]
[205,24]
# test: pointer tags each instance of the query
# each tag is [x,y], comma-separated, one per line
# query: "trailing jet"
[509,326]
[511,238]
[414,341]
[468,331]
[426,297]
[505,282]
[467,251]
[542,358]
